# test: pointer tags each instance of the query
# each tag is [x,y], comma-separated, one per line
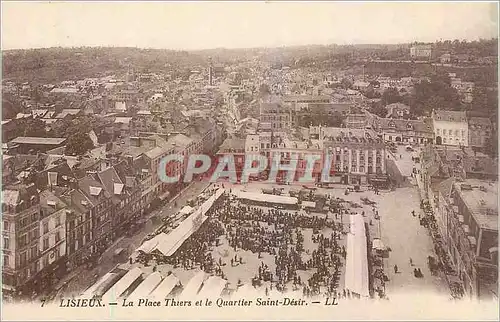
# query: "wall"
[447,139]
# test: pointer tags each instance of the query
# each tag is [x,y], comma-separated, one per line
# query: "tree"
[491,145]
[434,94]
[378,109]
[69,125]
[78,144]
[264,90]
[485,102]
[32,127]
[371,93]
[390,96]
[346,83]
[10,107]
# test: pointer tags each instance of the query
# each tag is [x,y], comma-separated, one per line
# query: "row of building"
[358,156]
[61,211]
[462,189]
[454,128]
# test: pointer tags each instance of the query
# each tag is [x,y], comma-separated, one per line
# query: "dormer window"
[392,124]
[409,126]
[95,191]
[118,188]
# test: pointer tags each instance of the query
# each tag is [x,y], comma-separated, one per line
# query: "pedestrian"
[413,213]
[411,262]
[396,269]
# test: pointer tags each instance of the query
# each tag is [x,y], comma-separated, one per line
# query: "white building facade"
[450,128]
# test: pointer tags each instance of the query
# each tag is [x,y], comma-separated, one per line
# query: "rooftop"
[330,107]
[232,144]
[480,121]
[311,98]
[50,202]
[359,135]
[482,201]
[123,120]
[397,124]
[65,90]
[15,194]
[38,140]
[180,140]
[449,116]
[66,112]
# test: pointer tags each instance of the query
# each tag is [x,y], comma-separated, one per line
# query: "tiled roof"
[404,125]
[11,197]
[482,202]
[66,112]
[38,140]
[50,202]
[232,144]
[348,133]
[180,140]
[14,194]
[91,188]
[445,186]
[449,116]
[155,152]
[484,122]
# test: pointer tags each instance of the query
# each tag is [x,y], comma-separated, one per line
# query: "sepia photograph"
[256,160]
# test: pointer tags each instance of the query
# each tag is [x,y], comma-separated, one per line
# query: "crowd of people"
[278,232]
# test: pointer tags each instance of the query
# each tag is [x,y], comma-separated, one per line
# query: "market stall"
[146,287]
[166,287]
[125,284]
[356,278]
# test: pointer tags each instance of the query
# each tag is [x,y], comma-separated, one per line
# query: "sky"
[197,25]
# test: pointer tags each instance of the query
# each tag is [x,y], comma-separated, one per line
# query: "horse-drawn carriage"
[367,201]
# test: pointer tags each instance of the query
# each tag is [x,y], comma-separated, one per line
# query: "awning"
[260,197]
[8,287]
[378,244]
[356,278]
[186,210]
[164,196]
[309,204]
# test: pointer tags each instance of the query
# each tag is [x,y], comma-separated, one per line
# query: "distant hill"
[58,64]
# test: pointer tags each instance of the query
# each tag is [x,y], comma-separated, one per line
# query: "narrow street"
[407,239]
[85,278]
[403,233]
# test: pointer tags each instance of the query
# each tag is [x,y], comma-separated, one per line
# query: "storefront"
[380,182]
